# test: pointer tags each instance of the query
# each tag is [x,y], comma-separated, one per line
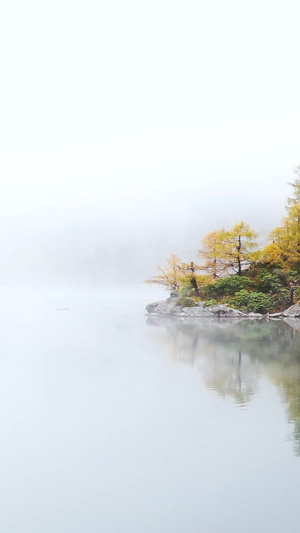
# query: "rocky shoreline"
[173,308]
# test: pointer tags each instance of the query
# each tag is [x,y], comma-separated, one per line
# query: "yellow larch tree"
[169,276]
[229,251]
[212,252]
[285,247]
[240,247]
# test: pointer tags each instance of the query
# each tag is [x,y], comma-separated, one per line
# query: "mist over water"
[129,131]
[115,421]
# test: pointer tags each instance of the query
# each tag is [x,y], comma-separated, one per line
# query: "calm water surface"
[115,422]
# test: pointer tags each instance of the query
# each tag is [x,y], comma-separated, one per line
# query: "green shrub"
[187,292]
[228,286]
[282,299]
[297,294]
[210,302]
[258,302]
[270,282]
[185,301]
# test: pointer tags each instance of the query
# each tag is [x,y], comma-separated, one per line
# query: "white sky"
[143,125]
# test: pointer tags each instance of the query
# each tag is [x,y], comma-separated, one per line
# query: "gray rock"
[174,293]
[223,311]
[293,311]
[275,315]
[255,316]
[165,307]
[196,311]
[170,307]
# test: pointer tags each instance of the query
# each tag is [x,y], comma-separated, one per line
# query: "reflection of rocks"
[178,321]
[293,322]
[261,339]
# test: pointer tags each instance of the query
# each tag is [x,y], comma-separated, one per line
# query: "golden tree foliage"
[292,234]
[287,237]
[295,199]
[202,281]
[273,255]
[277,235]
[176,275]
[189,276]
[212,252]
[225,251]
[169,276]
[240,246]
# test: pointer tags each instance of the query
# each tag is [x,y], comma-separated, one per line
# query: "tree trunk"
[194,280]
[292,291]
[239,247]
[215,275]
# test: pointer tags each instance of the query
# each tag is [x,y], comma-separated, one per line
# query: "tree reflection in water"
[232,354]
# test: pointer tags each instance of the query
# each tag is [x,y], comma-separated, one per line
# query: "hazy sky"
[131,129]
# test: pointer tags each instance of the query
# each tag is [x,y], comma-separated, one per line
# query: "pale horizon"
[130,132]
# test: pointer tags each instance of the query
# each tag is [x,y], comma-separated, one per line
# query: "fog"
[128,133]
[129,130]
[73,215]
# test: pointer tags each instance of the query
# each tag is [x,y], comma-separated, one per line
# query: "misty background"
[131,130]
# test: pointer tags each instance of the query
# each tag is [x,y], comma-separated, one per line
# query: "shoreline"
[170,307]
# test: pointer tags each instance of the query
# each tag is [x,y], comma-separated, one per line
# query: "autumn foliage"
[232,269]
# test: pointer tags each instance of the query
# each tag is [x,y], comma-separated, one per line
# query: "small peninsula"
[234,276]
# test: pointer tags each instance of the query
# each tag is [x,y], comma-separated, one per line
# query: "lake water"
[115,422]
